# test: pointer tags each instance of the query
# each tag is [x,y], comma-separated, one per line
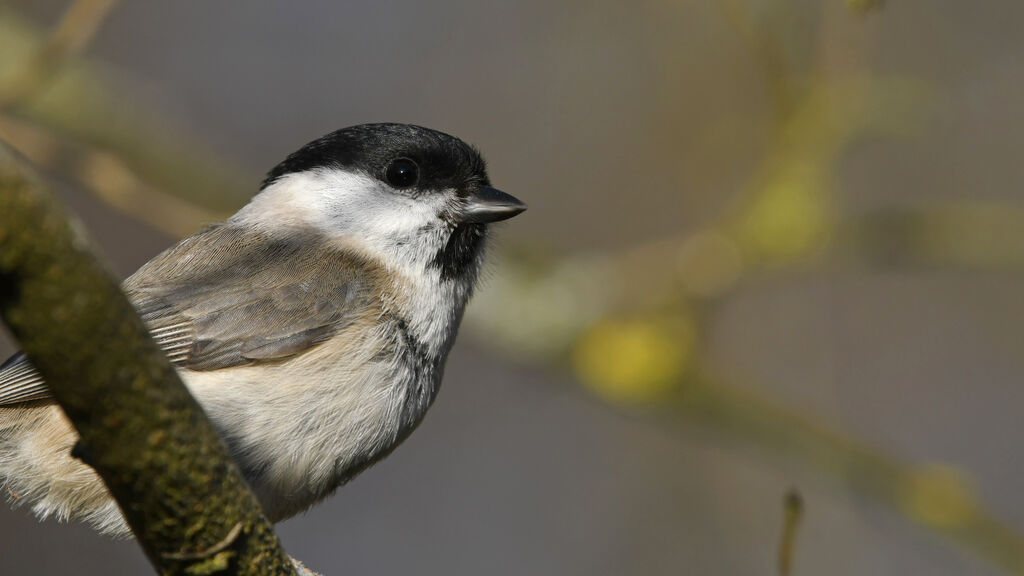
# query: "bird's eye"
[402,173]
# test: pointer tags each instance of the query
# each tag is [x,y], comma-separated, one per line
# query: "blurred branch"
[974,236]
[865,5]
[650,359]
[139,428]
[109,178]
[71,35]
[639,342]
[84,106]
[768,50]
[101,172]
[560,302]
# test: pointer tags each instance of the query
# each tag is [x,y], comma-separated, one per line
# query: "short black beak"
[490,205]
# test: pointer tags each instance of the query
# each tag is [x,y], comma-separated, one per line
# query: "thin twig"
[793,506]
[768,49]
[930,499]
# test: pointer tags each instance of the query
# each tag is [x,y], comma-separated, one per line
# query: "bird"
[312,326]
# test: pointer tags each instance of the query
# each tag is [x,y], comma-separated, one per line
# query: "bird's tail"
[37,469]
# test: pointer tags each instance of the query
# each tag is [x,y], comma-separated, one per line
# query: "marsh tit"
[312,326]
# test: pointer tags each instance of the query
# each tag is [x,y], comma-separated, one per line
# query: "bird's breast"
[300,428]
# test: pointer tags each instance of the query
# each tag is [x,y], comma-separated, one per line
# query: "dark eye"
[402,173]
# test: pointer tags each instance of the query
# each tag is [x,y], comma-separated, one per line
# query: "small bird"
[312,326]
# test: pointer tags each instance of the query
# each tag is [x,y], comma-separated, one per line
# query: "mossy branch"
[140,429]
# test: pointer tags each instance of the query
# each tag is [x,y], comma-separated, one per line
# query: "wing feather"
[19,381]
[226,297]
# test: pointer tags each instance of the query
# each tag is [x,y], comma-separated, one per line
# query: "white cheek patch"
[352,206]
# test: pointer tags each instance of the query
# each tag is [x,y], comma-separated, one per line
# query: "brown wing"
[226,298]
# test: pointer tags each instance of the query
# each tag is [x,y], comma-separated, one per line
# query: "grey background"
[584,113]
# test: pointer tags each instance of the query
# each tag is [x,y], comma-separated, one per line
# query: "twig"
[793,506]
[769,50]
[863,6]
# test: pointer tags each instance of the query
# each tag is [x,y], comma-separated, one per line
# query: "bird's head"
[411,196]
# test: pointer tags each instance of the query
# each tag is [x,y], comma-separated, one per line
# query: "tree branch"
[140,429]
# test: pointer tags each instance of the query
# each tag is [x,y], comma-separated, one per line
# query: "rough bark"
[140,429]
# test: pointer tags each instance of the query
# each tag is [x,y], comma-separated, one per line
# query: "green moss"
[218,563]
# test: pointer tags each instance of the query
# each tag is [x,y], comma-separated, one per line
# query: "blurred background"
[773,247]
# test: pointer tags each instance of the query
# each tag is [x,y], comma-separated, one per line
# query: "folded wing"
[227,297]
